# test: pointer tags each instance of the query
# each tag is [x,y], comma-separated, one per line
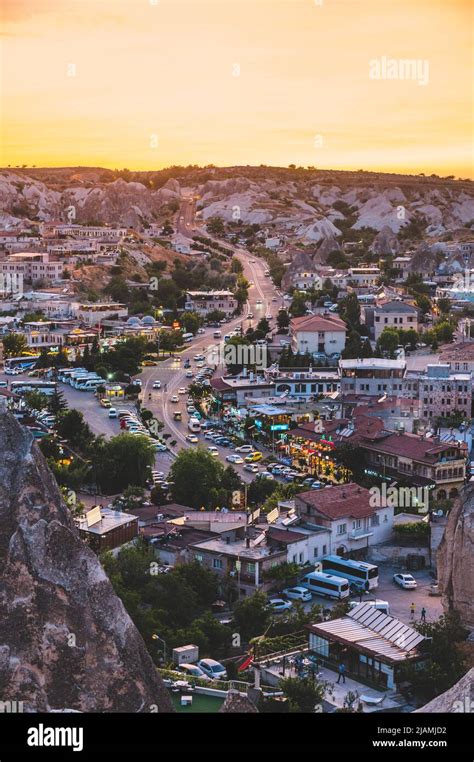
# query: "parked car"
[174,398]
[405,580]
[192,670]
[213,669]
[192,438]
[112,412]
[253,457]
[234,459]
[279,604]
[252,467]
[298,594]
[244,448]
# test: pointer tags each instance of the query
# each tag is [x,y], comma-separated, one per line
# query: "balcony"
[359,534]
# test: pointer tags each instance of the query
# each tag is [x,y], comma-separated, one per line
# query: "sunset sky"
[155,83]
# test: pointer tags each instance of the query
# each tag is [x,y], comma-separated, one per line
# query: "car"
[112,412]
[192,670]
[274,299]
[3,384]
[200,364]
[198,358]
[191,409]
[105,403]
[148,363]
[213,669]
[192,438]
[252,467]
[174,398]
[182,390]
[279,604]
[157,385]
[317,485]
[258,302]
[250,316]
[213,451]
[234,459]
[405,580]
[268,316]
[254,457]
[189,374]
[136,382]
[201,331]
[244,448]
[298,594]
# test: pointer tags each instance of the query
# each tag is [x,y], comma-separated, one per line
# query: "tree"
[35,400]
[252,616]
[423,303]
[122,461]
[303,693]
[350,310]
[14,345]
[444,306]
[56,402]
[71,426]
[283,319]
[388,341]
[191,321]
[298,305]
[215,226]
[195,473]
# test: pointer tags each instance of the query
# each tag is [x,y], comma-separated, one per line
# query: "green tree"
[283,319]
[121,462]
[303,694]
[191,321]
[195,473]
[14,345]
[252,616]
[36,400]
[72,427]
[215,226]
[350,310]
[298,305]
[56,402]
[388,341]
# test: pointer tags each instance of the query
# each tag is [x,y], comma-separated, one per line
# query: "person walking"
[412,611]
[342,673]
[423,614]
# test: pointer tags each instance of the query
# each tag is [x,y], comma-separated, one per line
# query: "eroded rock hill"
[66,641]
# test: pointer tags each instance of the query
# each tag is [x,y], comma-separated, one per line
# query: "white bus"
[361,575]
[325,584]
[194,425]
[45,387]
[20,364]
[188,336]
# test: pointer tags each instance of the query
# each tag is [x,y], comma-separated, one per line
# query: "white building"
[203,302]
[396,314]
[32,266]
[318,334]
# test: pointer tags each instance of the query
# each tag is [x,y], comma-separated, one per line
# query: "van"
[217,334]
[380,605]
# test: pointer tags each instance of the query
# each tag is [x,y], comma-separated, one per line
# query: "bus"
[45,387]
[325,584]
[362,576]
[188,336]
[194,425]
[20,364]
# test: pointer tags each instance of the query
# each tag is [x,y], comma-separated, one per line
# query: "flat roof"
[381,363]
[110,520]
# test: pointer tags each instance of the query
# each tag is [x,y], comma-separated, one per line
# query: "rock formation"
[455,559]
[458,699]
[386,242]
[66,641]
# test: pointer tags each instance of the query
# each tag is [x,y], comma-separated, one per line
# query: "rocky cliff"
[456,558]
[66,641]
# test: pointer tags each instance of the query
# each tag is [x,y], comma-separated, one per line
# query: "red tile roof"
[317,323]
[409,446]
[345,500]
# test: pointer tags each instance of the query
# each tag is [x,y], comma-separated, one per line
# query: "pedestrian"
[412,611]
[423,614]
[342,673]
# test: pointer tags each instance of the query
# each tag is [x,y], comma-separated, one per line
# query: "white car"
[278,604]
[136,382]
[298,594]
[112,412]
[234,459]
[189,374]
[192,438]
[157,385]
[266,475]
[174,398]
[405,580]
[192,670]
[198,358]
[182,390]
[213,451]
[213,669]
[244,448]
[252,467]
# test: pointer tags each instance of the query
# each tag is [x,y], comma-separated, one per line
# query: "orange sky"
[155,84]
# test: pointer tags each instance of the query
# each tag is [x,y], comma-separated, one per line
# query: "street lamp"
[157,637]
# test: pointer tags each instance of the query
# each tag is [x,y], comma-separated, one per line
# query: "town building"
[113,529]
[392,314]
[204,302]
[304,384]
[444,393]
[372,376]
[373,646]
[318,335]
[32,266]
[347,511]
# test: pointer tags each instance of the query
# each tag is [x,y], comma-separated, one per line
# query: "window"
[250,568]
[325,550]
[217,563]
[315,552]
[342,528]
